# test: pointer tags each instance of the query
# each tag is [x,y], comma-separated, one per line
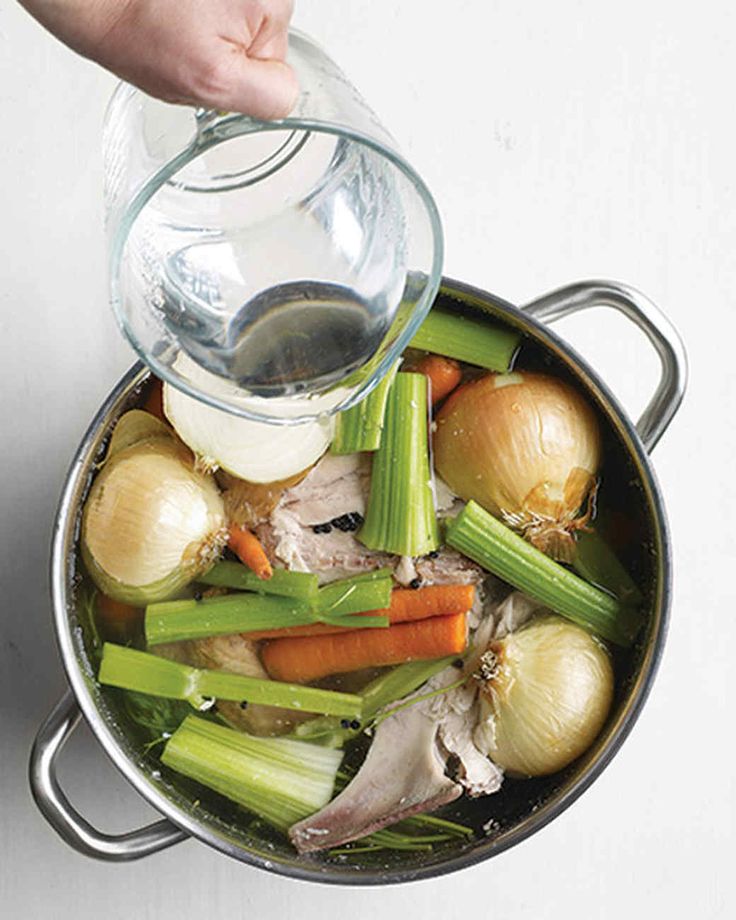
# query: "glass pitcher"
[275,270]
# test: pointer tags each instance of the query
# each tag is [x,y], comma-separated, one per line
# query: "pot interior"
[497,821]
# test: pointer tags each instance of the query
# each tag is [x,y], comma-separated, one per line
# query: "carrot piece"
[155,399]
[305,659]
[406,604]
[444,375]
[116,611]
[432,601]
[116,618]
[248,549]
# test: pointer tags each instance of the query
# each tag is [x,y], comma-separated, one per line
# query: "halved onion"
[527,448]
[255,451]
[546,691]
[151,523]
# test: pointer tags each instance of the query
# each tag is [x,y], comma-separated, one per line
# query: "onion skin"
[547,698]
[526,447]
[151,523]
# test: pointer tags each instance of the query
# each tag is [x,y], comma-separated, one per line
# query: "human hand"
[221,54]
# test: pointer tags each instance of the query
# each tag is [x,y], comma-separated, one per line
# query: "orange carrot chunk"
[116,619]
[116,611]
[432,601]
[444,375]
[248,549]
[300,660]
[406,604]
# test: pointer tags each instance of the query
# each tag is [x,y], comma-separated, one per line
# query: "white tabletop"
[562,140]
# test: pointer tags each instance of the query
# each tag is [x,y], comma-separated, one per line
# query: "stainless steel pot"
[522,807]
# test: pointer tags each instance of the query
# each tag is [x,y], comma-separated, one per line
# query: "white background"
[562,140]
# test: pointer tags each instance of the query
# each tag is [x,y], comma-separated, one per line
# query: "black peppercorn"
[355,724]
[244,704]
[458,663]
[322,528]
[344,523]
[344,723]
[453,767]
[197,595]
[415,583]
[432,554]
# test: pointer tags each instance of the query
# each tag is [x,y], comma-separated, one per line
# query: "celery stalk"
[487,541]
[142,672]
[280,779]
[283,582]
[173,621]
[467,339]
[354,595]
[597,563]
[400,517]
[360,427]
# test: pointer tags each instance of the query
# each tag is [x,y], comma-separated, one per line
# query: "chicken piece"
[456,714]
[403,774]
[457,711]
[236,655]
[515,611]
[336,485]
[448,567]
[332,555]
[404,771]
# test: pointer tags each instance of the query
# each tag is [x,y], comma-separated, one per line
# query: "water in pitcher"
[291,339]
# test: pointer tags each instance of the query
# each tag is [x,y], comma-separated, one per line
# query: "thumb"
[263,89]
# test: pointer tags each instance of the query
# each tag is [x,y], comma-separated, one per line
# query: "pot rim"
[65,536]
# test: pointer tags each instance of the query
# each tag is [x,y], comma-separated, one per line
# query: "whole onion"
[526,447]
[151,522]
[546,691]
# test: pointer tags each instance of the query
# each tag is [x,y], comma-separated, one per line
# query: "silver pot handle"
[62,815]
[653,323]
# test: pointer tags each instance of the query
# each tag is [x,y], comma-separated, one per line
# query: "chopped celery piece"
[400,517]
[487,541]
[386,688]
[597,563]
[354,595]
[131,669]
[173,621]
[360,427]
[283,582]
[467,339]
[280,779]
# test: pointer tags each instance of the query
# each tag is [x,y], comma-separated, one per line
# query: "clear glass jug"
[272,269]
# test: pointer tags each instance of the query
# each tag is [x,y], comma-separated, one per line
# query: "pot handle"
[654,324]
[61,814]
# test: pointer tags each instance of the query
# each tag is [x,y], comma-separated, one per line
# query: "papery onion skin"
[527,448]
[548,697]
[254,451]
[151,523]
